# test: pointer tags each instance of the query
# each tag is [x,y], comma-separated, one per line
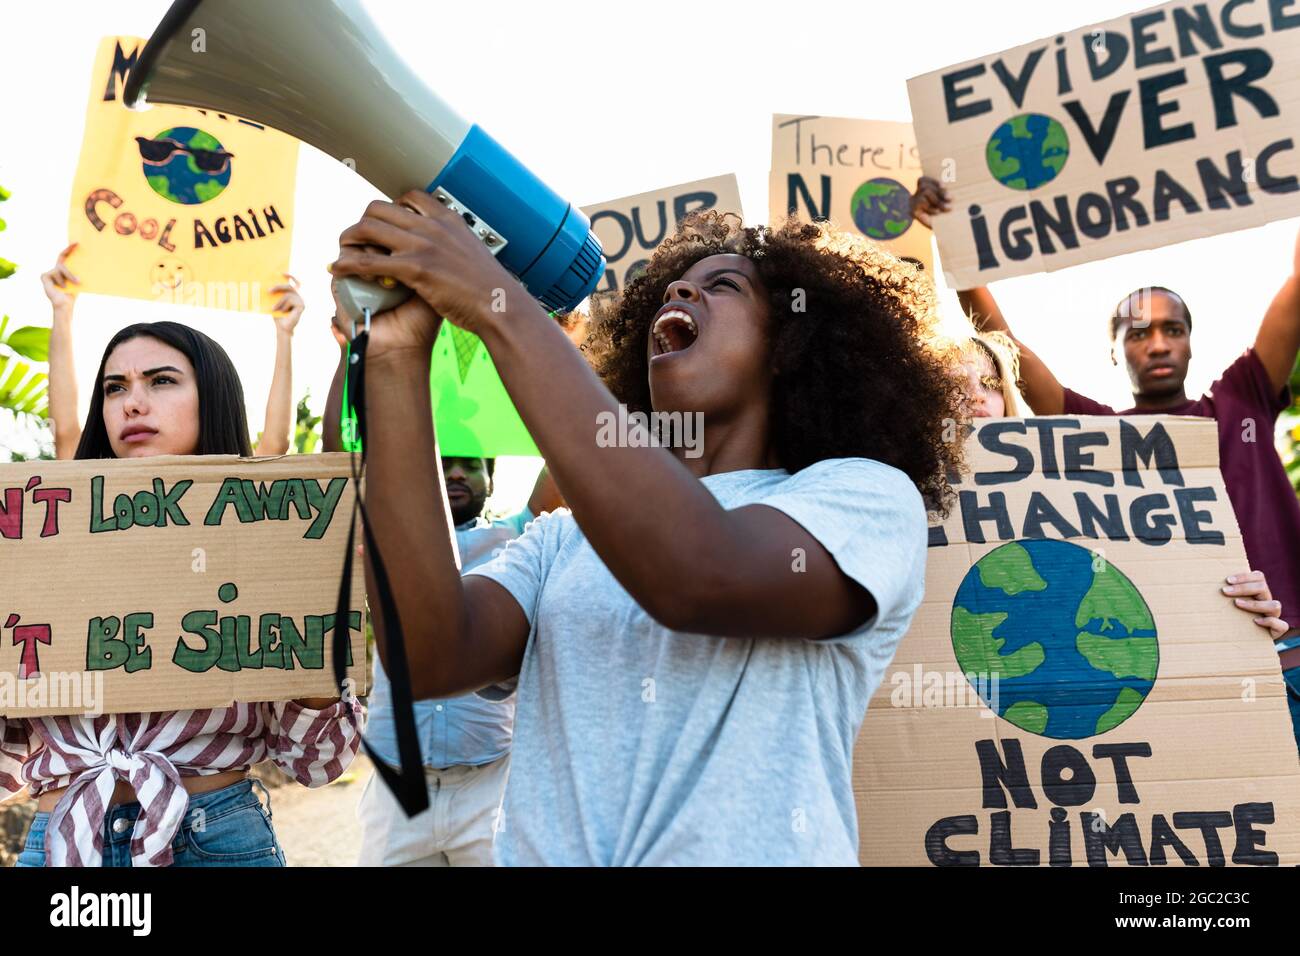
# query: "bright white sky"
[601,100]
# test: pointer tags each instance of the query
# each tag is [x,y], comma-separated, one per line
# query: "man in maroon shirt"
[1152,327]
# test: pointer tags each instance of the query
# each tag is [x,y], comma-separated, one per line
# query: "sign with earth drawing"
[858,173]
[1165,125]
[1060,624]
[1075,689]
[178,205]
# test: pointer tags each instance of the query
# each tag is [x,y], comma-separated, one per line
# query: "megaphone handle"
[356,295]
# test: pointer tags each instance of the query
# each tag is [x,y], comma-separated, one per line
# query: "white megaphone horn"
[321,71]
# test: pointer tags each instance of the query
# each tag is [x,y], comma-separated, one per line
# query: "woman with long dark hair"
[219,425]
[60,288]
[167,788]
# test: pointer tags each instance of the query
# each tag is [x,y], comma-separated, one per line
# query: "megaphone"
[321,71]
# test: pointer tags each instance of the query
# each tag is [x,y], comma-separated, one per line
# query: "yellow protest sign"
[176,204]
[175,582]
[1176,122]
[630,228]
[858,173]
[1075,689]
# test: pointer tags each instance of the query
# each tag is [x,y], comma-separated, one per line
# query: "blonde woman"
[991,363]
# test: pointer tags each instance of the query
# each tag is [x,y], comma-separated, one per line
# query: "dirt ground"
[319,827]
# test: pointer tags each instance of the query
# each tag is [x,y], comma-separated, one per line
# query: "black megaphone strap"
[406,783]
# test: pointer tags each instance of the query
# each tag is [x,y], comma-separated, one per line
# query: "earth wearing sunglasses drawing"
[185,165]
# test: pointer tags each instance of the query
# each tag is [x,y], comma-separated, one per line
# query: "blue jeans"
[232,830]
[1292,680]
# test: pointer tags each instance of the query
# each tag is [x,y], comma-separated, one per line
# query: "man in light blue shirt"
[465,741]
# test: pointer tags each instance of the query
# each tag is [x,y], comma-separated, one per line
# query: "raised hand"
[929,200]
[340,325]
[409,329]
[433,251]
[56,282]
[289,309]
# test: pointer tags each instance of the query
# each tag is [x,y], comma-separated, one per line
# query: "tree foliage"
[24,381]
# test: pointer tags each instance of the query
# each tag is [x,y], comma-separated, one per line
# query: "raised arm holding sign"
[1146,130]
[59,284]
[111,658]
[1152,328]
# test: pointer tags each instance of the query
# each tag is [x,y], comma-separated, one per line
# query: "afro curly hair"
[854,373]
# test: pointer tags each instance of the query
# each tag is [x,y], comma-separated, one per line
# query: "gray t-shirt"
[637,745]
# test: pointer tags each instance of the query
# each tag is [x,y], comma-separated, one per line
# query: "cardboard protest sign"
[175,204]
[1075,688]
[630,228]
[1139,132]
[858,173]
[173,582]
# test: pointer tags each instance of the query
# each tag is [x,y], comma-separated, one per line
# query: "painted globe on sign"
[179,179]
[1027,151]
[881,208]
[1069,638]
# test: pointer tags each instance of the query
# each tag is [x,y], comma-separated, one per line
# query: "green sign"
[473,415]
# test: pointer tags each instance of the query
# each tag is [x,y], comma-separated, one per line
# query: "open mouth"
[674,330]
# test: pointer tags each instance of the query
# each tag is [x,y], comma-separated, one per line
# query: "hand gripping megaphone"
[321,71]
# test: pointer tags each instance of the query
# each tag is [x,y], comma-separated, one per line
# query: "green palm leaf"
[17,371]
[31,390]
[31,341]
[23,390]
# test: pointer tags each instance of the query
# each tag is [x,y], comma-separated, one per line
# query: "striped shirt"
[88,755]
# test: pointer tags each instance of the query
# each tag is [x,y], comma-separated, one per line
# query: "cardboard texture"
[172,582]
[630,228]
[1140,718]
[163,227]
[1138,132]
[858,173]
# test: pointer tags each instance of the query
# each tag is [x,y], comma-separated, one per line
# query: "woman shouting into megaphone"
[695,644]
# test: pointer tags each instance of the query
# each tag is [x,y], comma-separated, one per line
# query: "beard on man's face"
[465,505]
